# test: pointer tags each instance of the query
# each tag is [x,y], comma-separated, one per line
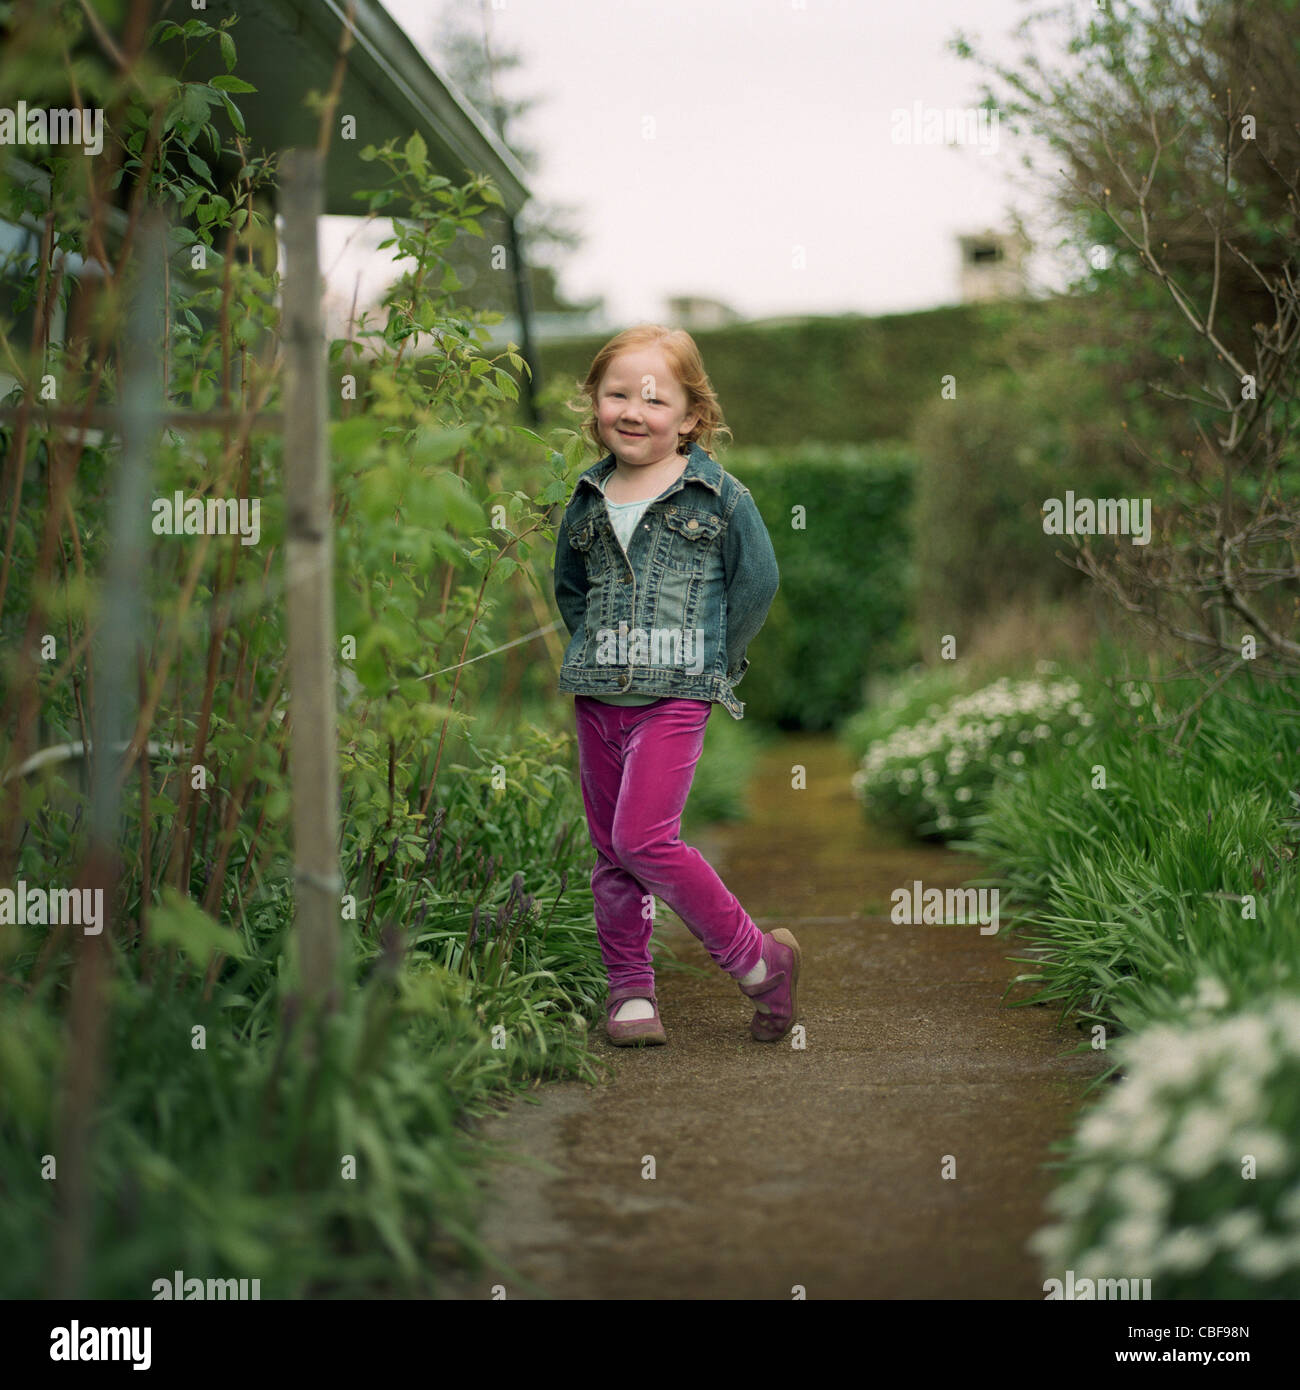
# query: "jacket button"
[692,525]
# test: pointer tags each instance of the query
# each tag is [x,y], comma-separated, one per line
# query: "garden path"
[820,1167]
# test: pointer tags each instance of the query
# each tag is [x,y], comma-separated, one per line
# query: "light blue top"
[625,517]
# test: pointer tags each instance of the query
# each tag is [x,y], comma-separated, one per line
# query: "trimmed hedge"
[846,577]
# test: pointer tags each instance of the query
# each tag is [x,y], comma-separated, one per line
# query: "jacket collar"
[700,468]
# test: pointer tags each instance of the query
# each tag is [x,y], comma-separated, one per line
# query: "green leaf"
[236,116]
[181,922]
[231,84]
[194,102]
[227,51]
[430,447]
[575,451]
[416,152]
[352,439]
[463,509]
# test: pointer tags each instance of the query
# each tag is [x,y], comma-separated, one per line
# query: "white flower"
[1168,1057]
[962,794]
[1210,993]
[1267,1148]
[1099,1130]
[1187,1249]
[1050,1244]
[1133,1238]
[1234,1228]
[1264,1258]
[1239,1091]
[1247,1040]
[1286,1019]
[1143,1135]
[1140,1190]
[1197,1144]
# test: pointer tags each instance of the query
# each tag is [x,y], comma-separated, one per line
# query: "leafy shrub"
[933,775]
[845,577]
[1159,1185]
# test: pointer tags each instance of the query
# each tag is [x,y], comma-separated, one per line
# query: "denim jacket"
[675,612]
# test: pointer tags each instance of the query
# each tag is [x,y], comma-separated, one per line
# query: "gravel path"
[777,1167]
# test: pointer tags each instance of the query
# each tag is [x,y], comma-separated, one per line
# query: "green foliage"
[837,380]
[731,748]
[1126,883]
[931,774]
[1161,907]
[470,963]
[988,461]
[836,516]
[1187,1171]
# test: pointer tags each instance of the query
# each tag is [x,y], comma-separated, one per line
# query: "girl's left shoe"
[777,988]
[636,1032]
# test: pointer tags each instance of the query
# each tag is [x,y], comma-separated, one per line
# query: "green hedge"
[845,562]
[846,379]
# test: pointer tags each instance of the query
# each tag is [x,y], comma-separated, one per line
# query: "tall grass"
[1163,908]
[222,1151]
[1178,867]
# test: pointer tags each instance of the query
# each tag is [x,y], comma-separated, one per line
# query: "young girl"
[664,573]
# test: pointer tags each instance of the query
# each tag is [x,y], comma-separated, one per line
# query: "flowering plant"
[933,775]
[1188,1171]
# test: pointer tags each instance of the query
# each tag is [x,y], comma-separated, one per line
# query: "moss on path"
[821,1167]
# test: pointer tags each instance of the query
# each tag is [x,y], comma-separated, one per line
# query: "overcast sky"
[702,143]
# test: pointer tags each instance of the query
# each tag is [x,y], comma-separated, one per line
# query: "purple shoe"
[776,988]
[636,1032]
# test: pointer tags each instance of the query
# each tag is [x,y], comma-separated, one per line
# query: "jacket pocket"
[689,533]
[582,533]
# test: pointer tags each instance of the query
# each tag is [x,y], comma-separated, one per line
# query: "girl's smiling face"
[641,409]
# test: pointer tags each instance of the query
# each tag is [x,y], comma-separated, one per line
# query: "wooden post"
[112,719]
[309,591]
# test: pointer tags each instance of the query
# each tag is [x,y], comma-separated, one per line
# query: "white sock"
[632,1009]
[756,975]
